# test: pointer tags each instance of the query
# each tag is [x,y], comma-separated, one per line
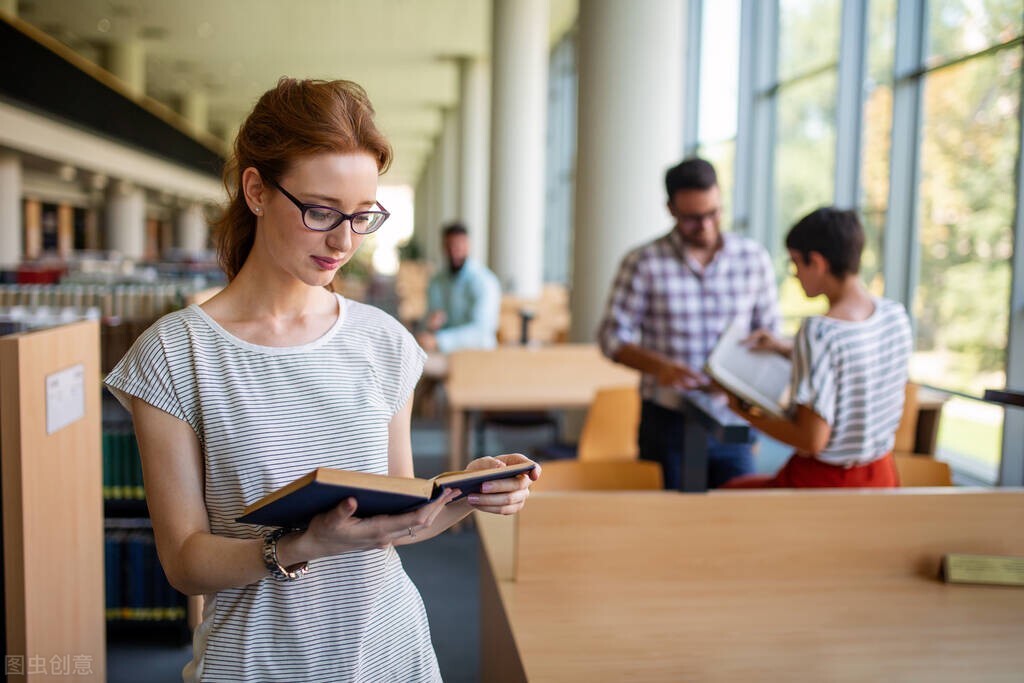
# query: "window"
[969,147]
[876,144]
[719,73]
[560,160]
[805,143]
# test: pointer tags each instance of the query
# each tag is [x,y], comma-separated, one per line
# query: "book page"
[759,377]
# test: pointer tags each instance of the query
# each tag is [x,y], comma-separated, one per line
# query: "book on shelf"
[294,504]
[758,377]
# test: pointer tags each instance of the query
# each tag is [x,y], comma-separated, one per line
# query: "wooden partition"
[750,586]
[52,503]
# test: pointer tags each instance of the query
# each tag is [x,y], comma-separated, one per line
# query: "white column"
[630,133]
[195,109]
[474,110]
[127,61]
[449,163]
[431,238]
[192,229]
[518,118]
[420,210]
[126,220]
[11,243]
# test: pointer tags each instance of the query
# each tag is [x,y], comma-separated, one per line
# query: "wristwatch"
[271,562]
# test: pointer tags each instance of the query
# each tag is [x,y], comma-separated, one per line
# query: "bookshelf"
[136,601]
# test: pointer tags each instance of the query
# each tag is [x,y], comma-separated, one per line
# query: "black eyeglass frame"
[342,216]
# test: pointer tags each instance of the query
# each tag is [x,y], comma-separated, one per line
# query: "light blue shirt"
[470,300]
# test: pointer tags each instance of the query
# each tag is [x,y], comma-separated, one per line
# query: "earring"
[258,210]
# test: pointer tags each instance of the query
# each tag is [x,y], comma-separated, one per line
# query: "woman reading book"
[272,378]
[849,368]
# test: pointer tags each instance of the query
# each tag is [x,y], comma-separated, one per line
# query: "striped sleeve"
[813,383]
[397,359]
[411,367]
[146,372]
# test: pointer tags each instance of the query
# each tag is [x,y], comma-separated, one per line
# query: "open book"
[757,377]
[294,504]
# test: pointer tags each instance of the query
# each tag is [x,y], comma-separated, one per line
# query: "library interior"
[675,252]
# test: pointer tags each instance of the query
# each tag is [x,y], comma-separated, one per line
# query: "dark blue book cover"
[295,504]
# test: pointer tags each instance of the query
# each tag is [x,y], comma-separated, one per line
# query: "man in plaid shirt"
[671,300]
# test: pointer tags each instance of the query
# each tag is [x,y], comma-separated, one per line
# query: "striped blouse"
[854,374]
[265,416]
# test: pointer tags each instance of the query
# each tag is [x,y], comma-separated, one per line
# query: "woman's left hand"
[503,496]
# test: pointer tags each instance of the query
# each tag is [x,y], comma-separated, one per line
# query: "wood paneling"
[52,505]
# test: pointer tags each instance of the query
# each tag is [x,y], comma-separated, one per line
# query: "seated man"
[462,300]
[849,367]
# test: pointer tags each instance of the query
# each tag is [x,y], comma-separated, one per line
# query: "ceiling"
[404,52]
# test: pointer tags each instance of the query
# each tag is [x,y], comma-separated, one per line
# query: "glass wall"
[561,162]
[947,224]
[967,198]
[719,67]
[877,137]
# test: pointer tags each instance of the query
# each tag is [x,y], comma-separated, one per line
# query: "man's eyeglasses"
[699,218]
[325,218]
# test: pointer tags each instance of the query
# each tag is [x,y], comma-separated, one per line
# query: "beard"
[701,238]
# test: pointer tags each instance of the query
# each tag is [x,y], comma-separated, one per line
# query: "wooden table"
[560,376]
[749,586]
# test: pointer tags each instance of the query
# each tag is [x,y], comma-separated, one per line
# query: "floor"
[444,569]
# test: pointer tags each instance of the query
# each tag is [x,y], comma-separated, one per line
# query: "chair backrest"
[906,432]
[610,429]
[549,322]
[922,470]
[573,475]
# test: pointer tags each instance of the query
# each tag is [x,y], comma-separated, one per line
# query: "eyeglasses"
[325,218]
[699,218]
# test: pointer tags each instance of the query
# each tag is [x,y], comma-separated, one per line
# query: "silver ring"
[412,534]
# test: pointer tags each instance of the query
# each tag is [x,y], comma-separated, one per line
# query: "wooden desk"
[749,586]
[524,378]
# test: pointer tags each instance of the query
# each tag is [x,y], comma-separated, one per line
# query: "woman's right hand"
[764,340]
[339,531]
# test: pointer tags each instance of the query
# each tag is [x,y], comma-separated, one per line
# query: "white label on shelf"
[65,397]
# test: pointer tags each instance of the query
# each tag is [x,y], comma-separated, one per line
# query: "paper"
[65,397]
[759,377]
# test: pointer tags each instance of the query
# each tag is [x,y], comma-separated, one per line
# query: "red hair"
[295,119]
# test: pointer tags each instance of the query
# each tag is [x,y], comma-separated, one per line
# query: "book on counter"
[294,504]
[757,377]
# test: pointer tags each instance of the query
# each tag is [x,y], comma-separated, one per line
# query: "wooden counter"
[749,586]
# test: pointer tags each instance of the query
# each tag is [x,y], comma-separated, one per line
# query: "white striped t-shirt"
[264,417]
[854,375]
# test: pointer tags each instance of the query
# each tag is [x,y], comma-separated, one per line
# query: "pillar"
[11,243]
[449,163]
[518,118]
[630,133]
[65,230]
[127,61]
[195,110]
[126,220]
[474,113]
[193,231]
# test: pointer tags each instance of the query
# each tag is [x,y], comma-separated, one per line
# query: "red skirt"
[805,472]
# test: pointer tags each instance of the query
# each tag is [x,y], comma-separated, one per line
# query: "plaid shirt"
[666,302]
